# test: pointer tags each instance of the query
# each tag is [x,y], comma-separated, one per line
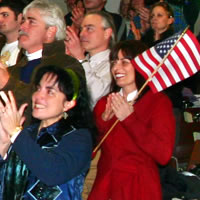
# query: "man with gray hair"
[97,36]
[41,36]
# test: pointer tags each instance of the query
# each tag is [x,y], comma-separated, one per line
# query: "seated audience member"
[97,37]
[43,44]
[71,4]
[142,138]
[161,21]
[139,15]
[41,36]
[127,13]
[10,20]
[123,8]
[99,5]
[49,159]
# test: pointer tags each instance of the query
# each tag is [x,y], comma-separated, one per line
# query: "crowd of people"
[65,80]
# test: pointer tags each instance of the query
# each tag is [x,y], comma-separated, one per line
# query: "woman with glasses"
[142,139]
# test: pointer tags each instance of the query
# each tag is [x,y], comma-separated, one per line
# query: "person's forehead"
[33,13]
[6,9]
[159,9]
[92,19]
[49,80]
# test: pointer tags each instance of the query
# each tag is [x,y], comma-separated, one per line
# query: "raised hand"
[144,14]
[10,116]
[121,108]
[108,113]
[77,17]
[72,44]
[135,31]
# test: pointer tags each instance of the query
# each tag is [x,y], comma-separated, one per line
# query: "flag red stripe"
[192,56]
[191,51]
[161,80]
[168,73]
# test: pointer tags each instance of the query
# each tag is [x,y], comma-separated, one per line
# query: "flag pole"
[142,88]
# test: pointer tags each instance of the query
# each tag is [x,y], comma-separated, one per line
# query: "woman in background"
[161,22]
[142,139]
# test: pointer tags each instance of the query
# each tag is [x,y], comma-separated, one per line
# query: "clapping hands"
[118,106]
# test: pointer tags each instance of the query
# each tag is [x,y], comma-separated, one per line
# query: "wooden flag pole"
[142,88]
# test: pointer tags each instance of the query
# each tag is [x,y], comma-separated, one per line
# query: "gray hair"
[107,22]
[51,14]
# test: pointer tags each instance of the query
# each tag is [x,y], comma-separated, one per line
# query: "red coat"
[127,169]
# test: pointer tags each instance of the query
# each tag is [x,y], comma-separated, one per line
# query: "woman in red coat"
[142,139]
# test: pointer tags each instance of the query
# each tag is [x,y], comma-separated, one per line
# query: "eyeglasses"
[122,61]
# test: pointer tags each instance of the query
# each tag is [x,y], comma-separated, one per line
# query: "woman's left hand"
[10,116]
[121,107]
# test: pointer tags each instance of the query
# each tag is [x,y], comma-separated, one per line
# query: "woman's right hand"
[108,113]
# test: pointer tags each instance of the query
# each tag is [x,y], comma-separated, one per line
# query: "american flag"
[182,62]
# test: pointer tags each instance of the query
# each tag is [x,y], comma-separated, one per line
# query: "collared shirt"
[98,76]
[131,96]
[35,55]
[13,49]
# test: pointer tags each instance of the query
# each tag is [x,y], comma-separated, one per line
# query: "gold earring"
[65,115]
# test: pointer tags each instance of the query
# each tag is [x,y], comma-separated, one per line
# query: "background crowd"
[65,79]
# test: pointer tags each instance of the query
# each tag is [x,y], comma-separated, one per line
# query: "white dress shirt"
[33,56]
[98,76]
[131,96]
[13,49]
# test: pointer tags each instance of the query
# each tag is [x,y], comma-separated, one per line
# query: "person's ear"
[108,33]
[19,18]
[69,105]
[51,33]
[170,20]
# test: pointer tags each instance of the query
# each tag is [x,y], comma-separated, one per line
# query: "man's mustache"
[22,33]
